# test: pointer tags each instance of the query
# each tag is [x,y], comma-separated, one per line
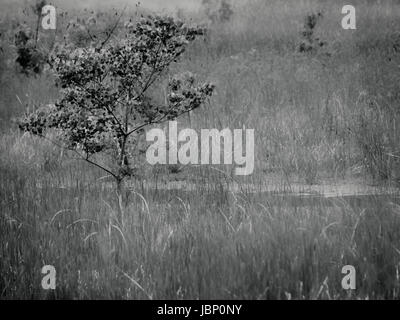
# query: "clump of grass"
[376,134]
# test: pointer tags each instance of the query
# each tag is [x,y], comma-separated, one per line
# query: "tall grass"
[316,117]
[206,244]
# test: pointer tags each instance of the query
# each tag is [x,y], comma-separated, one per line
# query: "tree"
[106,101]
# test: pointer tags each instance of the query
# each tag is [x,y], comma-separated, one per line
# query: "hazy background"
[150,4]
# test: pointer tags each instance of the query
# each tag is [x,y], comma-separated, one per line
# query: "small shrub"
[310,43]
[30,58]
[218,11]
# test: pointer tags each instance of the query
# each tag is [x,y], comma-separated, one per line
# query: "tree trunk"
[123,168]
[121,209]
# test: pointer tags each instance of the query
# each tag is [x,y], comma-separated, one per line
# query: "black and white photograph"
[199,150]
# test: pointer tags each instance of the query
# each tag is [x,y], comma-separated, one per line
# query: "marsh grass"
[316,117]
[206,244]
